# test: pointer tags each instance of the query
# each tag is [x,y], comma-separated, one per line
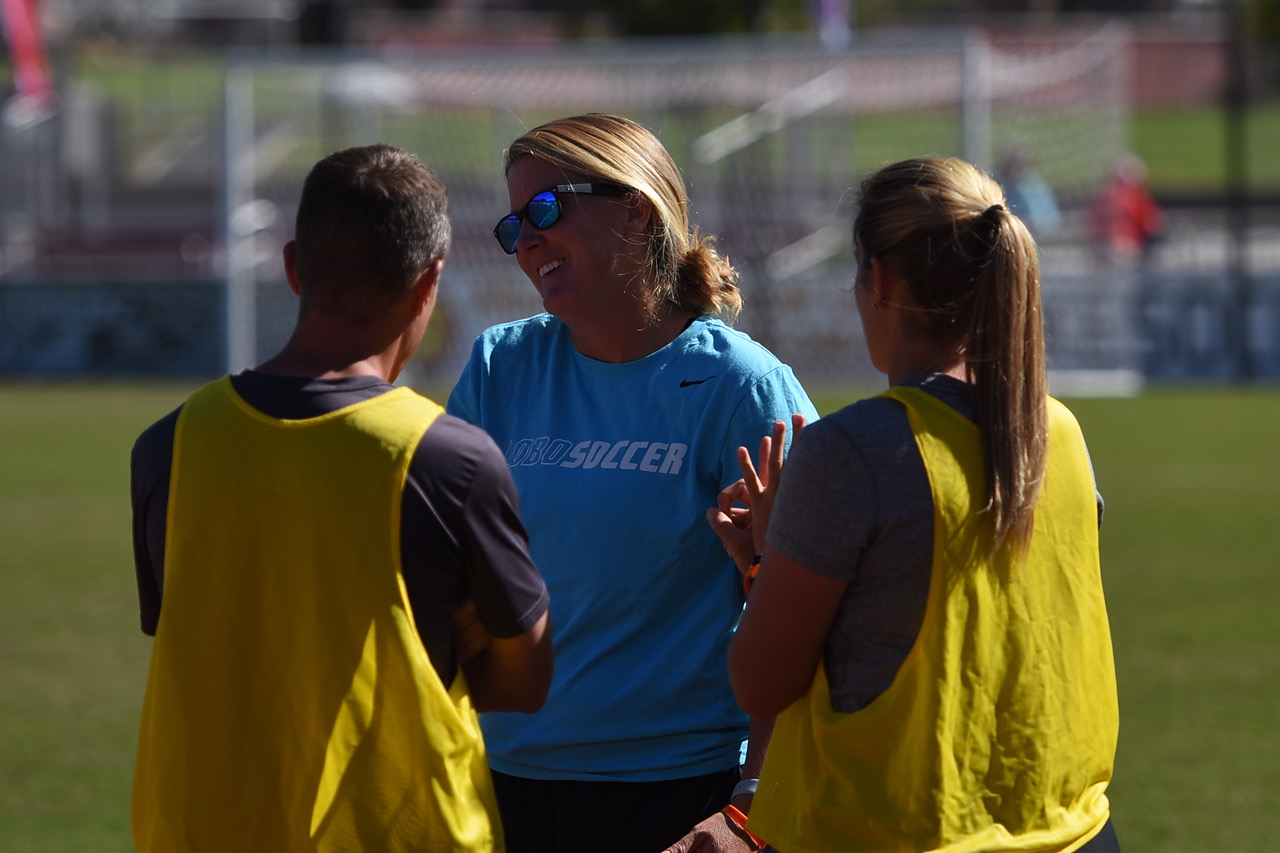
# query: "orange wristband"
[749,578]
[740,819]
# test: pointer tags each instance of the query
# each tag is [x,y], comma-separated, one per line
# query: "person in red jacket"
[1127,223]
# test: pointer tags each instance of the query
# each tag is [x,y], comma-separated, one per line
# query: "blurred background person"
[1126,223]
[1028,194]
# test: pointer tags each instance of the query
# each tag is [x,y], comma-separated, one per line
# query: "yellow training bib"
[291,705]
[999,731]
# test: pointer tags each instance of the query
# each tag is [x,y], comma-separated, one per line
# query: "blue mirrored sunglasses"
[543,211]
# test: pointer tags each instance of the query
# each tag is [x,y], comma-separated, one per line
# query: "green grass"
[72,657]
[1190,542]
[1185,149]
[1190,546]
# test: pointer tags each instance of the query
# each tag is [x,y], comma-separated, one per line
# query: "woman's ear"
[883,280]
[639,214]
[873,279]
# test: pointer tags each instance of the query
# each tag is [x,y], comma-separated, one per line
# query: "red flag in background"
[22,31]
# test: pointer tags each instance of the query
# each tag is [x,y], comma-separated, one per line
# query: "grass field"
[1190,548]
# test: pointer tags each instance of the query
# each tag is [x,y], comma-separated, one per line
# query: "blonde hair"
[683,268]
[972,265]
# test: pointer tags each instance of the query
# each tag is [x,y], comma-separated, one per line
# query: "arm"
[147,568]
[467,502]
[149,468]
[742,531]
[775,652]
[504,673]
[721,833]
[757,747]
[502,631]
[464,398]
[732,521]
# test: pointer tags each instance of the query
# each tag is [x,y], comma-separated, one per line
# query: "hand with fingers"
[743,509]
[719,833]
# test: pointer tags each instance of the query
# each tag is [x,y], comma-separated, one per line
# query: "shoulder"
[733,354]
[1061,417]
[505,349]
[1065,434]
[531,332]
[743,379]
[457,465]
[452,444]
[152,453]
[151,460]
[736,349]
[457,458]
[157,439]
[872,424]
[450,433]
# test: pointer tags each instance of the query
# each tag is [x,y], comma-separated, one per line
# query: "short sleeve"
[150,464]
[509,592]
[463,537]
[775,396]
[827,505]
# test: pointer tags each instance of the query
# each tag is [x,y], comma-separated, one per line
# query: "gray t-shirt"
[855,505]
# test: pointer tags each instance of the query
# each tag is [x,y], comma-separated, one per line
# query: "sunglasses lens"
[508,233]
[543,210]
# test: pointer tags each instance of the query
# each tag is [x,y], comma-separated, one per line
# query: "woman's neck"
[622,342]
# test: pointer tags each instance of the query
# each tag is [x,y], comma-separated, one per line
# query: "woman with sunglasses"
[928,622]
[620,410]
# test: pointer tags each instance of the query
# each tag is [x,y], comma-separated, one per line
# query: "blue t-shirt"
[616,466]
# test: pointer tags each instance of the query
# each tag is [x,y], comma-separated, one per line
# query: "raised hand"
[743,509]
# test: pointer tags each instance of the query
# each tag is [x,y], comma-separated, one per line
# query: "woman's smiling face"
[582,263]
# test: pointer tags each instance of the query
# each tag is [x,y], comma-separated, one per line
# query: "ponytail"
[703,281]
[972,266]
[1006,362]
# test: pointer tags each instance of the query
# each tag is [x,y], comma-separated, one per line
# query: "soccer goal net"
[770,134]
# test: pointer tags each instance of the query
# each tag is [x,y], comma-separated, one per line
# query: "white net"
[770,135]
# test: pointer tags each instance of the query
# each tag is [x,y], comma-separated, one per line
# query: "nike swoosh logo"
[685,383]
